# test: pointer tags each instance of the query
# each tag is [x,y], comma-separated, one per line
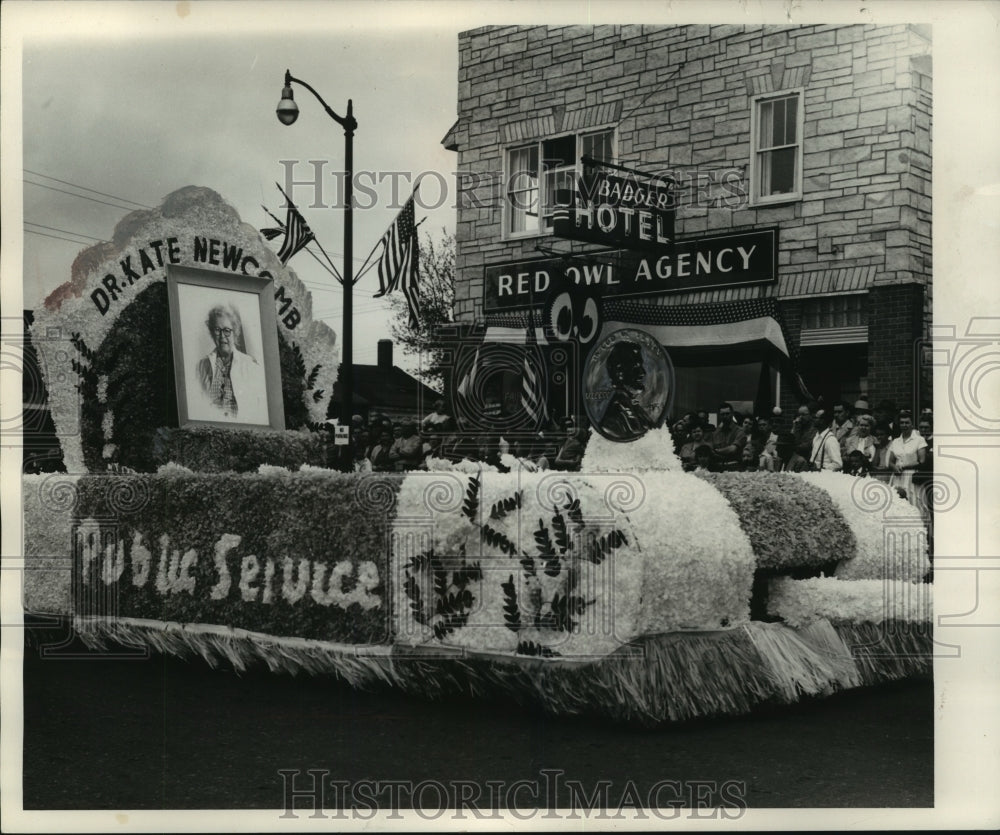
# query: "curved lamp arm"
[348,123]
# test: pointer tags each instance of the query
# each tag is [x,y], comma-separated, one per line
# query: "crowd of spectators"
[381,444]
[883,443]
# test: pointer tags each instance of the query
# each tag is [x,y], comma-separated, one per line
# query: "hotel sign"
[630,210]
[707,263]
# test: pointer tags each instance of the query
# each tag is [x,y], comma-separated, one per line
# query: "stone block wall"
[682,99]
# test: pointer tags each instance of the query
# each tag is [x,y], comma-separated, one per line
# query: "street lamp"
[288,112]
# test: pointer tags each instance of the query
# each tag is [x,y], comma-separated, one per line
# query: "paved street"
[163,733]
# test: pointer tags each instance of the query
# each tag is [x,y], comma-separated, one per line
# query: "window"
[522,190]
[835,312]
[776,160]
[537,173]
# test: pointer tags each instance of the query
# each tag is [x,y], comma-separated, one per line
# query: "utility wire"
[335,317]
[64,231]
[362,307]
[333,314]
[319,288]
[81,196]
[57,237]
[361,311]
[85,188]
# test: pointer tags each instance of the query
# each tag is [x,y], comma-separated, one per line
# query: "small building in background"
[387,389]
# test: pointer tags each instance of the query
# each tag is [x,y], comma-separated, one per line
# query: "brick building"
[819,135]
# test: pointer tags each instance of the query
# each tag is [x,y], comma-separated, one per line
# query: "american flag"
[532,397]
[398,264]
[297,235]
[469,379]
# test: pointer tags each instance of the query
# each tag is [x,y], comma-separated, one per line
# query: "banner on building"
[709,262]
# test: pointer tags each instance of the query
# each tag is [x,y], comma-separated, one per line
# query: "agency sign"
[698,264]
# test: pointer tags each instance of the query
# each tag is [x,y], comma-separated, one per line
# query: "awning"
[743,323]
[759,331]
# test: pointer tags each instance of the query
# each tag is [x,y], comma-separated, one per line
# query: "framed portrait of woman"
[225,343]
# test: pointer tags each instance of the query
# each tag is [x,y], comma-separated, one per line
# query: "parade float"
[631,589]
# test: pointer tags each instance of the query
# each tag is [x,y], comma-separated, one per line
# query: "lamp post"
[288,112]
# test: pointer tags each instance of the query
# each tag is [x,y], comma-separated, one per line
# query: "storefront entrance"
[706,378]
[835,372]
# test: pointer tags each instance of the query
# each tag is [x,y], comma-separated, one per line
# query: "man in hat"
[787,459]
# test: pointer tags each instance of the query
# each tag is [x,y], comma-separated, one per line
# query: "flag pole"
[336,272]
[271,215]
[365,267]
[335,275]
[347,359]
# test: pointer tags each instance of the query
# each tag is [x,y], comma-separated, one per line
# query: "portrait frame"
[192,293]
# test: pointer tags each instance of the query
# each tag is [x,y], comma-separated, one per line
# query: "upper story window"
[835,312]
[536,172]
[776,156]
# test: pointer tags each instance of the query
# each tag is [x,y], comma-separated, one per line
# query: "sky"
[126,121]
